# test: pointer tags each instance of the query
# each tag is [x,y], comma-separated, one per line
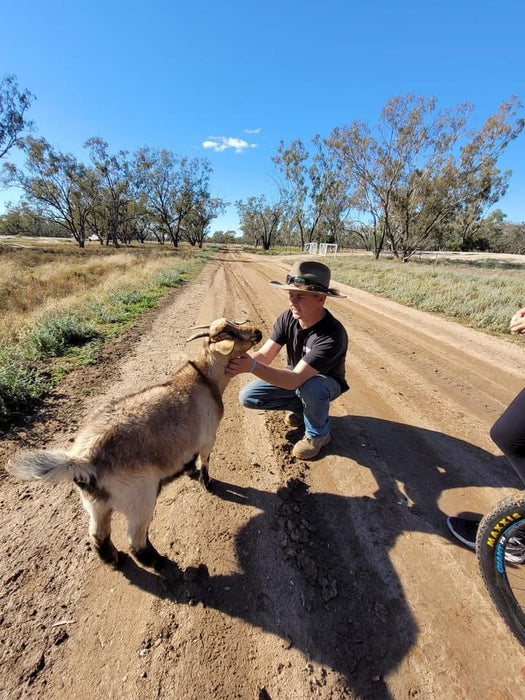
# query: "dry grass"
[39,279]
[59,303]
[483,298]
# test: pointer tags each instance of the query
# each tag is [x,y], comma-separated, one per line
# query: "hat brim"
[293,288]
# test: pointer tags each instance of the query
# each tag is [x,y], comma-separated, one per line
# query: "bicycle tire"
[505,582]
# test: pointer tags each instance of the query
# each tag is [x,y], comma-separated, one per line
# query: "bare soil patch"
[332,579]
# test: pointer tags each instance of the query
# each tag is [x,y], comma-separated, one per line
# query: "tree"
[193,191]
[198,222]
[13,107]
[173,186]
[511,239]
[22,220]
[249,223]
[481,184]
[332,196]
[314,196]
[223,237]
[57,185]
[293,165]
[114,188]
[419,168]
[260,220]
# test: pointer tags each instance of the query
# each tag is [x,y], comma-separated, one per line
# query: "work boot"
[309,447]
[294,420]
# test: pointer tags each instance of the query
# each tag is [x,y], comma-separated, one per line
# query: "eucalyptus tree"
[223,237]
[157,174]
[198,222]
[386,165]
[14,104]
[249,222]
[114,192]
[315,193]
[193,185]
[301,178]
[22,220]
[172,186]
[260,220]
[511,238]
[56,185]
[419,168]
[480,183]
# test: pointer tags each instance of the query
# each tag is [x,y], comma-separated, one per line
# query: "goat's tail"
[49,466]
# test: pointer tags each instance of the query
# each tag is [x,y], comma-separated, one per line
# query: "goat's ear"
[224,347]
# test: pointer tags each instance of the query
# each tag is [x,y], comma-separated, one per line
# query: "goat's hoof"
[148,556]
[160,563]
[107,551]
[205,479]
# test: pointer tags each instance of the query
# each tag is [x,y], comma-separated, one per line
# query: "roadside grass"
[58,306]
[480,297]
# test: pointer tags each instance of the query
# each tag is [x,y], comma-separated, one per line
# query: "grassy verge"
[56,335]
[483,297]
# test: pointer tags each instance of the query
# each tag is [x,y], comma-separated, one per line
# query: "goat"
[128,449]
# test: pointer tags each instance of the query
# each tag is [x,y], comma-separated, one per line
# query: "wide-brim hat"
[310,277]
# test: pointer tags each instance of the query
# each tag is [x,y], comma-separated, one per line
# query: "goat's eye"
[223,336]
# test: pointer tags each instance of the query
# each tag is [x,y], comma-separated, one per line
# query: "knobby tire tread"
[503,517]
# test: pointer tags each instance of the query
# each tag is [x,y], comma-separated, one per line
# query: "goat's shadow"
[351,615]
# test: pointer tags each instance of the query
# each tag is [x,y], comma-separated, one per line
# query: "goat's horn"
[204,334]
[197,328]
[239,323]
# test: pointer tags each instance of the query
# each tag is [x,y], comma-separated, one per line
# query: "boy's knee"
[314,389]
[247,399]
[244,398]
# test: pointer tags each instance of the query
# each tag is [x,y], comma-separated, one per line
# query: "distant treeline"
[418,179]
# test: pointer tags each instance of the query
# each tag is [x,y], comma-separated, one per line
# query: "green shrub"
[170,278]
[107,314]
[21,384]
[53,335]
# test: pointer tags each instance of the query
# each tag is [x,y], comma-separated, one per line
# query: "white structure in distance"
[321,248]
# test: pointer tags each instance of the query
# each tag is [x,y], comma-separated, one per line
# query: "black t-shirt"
[322,346]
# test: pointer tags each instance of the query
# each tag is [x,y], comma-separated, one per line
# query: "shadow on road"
[349,612]
[426,462]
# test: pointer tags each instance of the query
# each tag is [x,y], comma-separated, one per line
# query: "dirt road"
[332,579]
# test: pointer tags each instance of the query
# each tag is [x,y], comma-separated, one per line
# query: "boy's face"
[303,305]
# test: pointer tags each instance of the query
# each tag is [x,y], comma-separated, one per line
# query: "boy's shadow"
[342,614]
[350,611]
[426,462]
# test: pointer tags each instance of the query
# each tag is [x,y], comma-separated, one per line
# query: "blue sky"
[228,81]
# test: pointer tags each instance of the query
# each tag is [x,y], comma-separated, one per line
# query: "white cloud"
[252,131]
[222,143]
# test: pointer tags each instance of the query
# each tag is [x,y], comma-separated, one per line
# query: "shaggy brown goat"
[124,453]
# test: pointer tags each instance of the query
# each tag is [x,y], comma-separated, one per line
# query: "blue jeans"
[312,399]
